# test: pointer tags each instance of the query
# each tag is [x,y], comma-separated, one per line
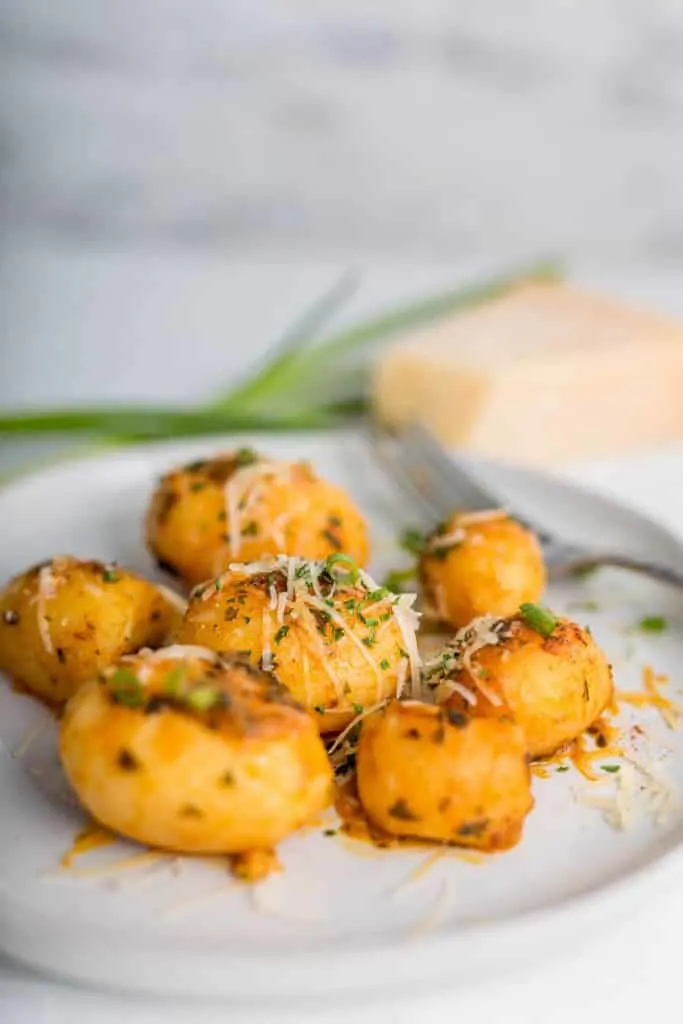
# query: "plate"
[342,917]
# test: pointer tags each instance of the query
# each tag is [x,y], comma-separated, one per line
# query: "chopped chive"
[110,576]
[562,768]
[246,457]
[610,768]
[202,697]
[384,664]
[413,541]
[330,832]
[320,709]
[348,575]
[653,624]
[126,688]
[358,708]
[540,619]
[173,681]
[397,577]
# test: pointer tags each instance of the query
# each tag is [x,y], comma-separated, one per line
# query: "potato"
[554,681]
[243,506]
[480,564]
[436,773]
[185,751]
[337,641]
[64,620]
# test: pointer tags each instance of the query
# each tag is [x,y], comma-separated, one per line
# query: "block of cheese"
[542,374]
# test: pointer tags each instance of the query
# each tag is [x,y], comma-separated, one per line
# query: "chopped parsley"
[358,708]
[384,664]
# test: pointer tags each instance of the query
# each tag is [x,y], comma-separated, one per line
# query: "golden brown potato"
[547,672]
[183,750]
[480,564]
[337,641]
[64,620]
[436,773]
[241,507]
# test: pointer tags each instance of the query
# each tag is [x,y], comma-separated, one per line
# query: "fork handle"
[597,561]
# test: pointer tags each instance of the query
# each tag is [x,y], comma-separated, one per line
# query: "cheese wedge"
[543,374]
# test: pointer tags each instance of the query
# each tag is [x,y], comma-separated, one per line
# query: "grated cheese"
[46,591]
[243,490]
[484,631]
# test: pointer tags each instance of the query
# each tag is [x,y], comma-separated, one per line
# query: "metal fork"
[424,469]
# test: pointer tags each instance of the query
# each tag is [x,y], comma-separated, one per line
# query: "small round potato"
[64,620]
[435,773]
[554,685]
[241,507]
[185,751]
[338,646]
[480,564]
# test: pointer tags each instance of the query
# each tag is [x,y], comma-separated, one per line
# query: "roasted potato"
[243,506]
[186,751]
[436,773]
[546,671]
[337,641]
[64,620]
[480,563]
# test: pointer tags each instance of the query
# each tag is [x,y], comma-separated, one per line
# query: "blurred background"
[417,129]
[180,178]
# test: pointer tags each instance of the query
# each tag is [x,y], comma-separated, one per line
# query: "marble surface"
[408,128]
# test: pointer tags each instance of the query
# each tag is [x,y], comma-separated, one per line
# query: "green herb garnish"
[203,697]
[413,541]
[349,573]
[540,619]
[358,708]
[562,768]
[397,577]
[173,682]
[126,688]
[384,664]
[246,457]
[610,768]
[110,576]
[281,634]
[319,709]
[653,624]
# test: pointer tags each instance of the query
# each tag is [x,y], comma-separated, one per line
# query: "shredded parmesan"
[267,654]
[46,591]
[178,602]
[353,723]
[243,490]
[468,518]
[485,631]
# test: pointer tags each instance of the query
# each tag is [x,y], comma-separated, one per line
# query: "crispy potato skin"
[497,566]
[90,622]
[228,780]
[430,774]
[296,514]
[309,657]
[555,687]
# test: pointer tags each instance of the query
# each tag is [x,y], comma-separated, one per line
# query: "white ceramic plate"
[341,917]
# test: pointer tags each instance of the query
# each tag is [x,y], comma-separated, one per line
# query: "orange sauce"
[651,696]
[605,738]
[254,865]
[92,837]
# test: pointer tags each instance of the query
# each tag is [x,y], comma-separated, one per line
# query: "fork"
[425,470]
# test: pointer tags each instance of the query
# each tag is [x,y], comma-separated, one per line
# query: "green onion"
[173,681]
[110,576]
[540,619]
[277,395]
[610,768]
[126,688]
[350,575]
[397,577]
[202,697]
[413,541]
[653,624]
